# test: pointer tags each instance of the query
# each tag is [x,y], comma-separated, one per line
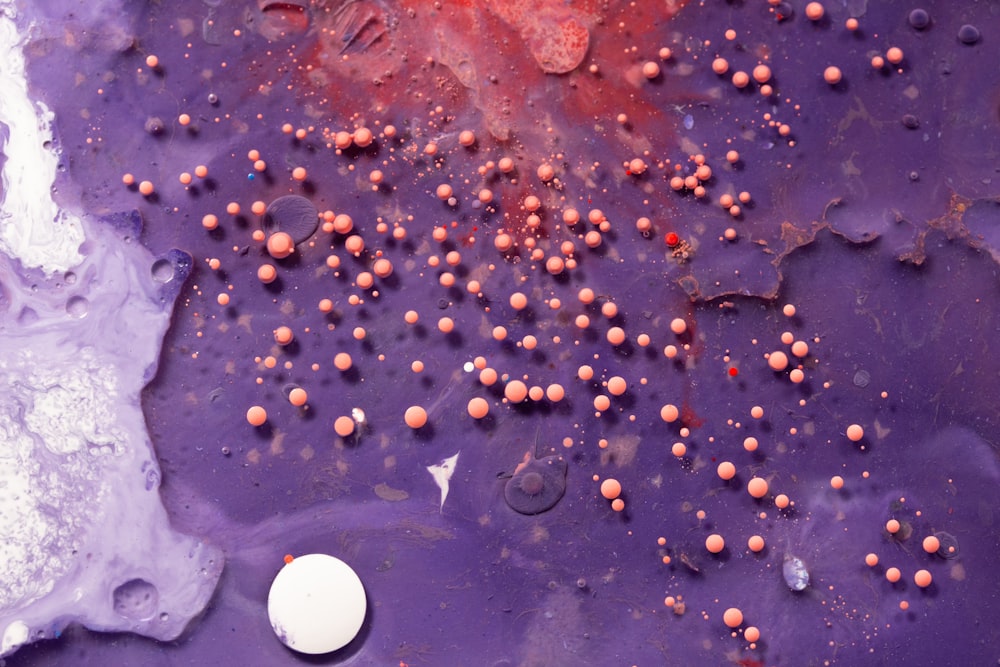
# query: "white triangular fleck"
[441,473]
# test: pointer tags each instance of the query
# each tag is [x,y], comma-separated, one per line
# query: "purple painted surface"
[882,235]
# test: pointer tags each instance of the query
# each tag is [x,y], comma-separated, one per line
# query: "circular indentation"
[532,483]
[77,306]
[154,125]
[919,19]
[910,121]
[293,214]
[136,600]
[162,271]
[968,34]
[862,379]
[537,485]
[947,545]
[317,604]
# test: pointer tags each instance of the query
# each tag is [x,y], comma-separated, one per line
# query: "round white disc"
[317,604]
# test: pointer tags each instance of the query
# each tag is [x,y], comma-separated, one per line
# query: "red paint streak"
[689,417]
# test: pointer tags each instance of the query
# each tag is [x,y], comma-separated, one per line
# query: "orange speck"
[755,544]
[343,426]
[777,360]
[415,416]
[280,245]
[733,617]
[267,273]
[893,574]
[611,488]
[478,407]
[342,361]
[515,391]
[814,11]
[354,244]
[518,301]
[488,377]
[855,432]
[298,397]
[256,416]
[931,544]
[714,543]
[669,413]
[363,137]
[726,470]
[757,487]
[382,267]
[288,558]
[283,335]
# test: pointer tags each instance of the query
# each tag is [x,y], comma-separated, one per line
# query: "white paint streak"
[32,227]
